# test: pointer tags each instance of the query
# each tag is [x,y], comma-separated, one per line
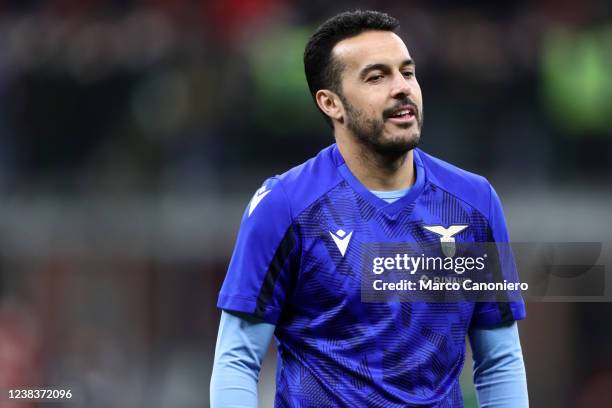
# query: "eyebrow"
[383,67]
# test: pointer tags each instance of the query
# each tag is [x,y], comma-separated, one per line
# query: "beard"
[370,131]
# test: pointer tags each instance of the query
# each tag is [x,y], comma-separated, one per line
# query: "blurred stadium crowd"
[132,134]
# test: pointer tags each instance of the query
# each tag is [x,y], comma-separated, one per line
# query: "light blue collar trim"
[391,196]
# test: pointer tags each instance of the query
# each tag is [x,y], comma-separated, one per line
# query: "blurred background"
[133,134]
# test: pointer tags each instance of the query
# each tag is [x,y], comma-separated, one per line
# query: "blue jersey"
[297,263]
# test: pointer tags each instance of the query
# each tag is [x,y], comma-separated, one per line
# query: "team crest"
[447,236]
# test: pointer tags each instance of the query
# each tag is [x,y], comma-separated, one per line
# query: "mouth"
[403,114]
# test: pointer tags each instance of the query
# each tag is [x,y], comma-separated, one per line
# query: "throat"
[380,172]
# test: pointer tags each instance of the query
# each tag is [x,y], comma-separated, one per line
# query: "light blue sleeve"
[499,371]
[242,344]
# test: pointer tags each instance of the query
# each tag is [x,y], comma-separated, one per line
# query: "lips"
[403,113]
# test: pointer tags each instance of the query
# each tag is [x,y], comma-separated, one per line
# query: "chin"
[398,146]
[403,142]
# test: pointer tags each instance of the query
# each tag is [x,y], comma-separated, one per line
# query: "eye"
[408,74]
[374,78]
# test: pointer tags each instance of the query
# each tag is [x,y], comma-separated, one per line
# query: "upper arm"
[499,371]
[487,314]
[242,341]
[496,344]
[260,273]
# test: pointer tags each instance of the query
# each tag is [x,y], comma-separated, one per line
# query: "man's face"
[383,105]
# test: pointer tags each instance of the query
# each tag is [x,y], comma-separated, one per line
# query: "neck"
[374,170]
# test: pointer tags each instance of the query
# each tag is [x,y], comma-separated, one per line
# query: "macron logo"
[447,236]
[259,195]
[341,239]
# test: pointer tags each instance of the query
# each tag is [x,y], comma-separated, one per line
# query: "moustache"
[406,101]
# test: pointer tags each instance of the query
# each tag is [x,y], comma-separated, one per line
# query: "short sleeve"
[261,271]
[488,314]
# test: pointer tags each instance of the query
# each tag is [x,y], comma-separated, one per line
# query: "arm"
[242,344]
[499,372]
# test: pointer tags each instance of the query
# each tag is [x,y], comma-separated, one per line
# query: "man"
[295,271]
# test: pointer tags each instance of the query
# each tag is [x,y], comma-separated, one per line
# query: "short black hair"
[322,70]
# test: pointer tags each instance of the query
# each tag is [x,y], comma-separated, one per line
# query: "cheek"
[373,105]
[417,92]
[368,100]
[364,107]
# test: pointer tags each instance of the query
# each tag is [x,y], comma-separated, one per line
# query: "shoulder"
[466,186]
[297,188]
[306,183]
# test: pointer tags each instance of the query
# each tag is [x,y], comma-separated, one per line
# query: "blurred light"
[161,104]
[577,86]
[86,48]
[282,95]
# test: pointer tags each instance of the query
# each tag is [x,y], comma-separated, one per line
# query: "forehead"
[371,47]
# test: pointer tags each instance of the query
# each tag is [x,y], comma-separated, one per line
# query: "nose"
[401,87]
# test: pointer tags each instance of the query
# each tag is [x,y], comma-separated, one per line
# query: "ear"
[330,104]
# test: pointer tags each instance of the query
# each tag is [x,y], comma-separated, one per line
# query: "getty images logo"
[447,236]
